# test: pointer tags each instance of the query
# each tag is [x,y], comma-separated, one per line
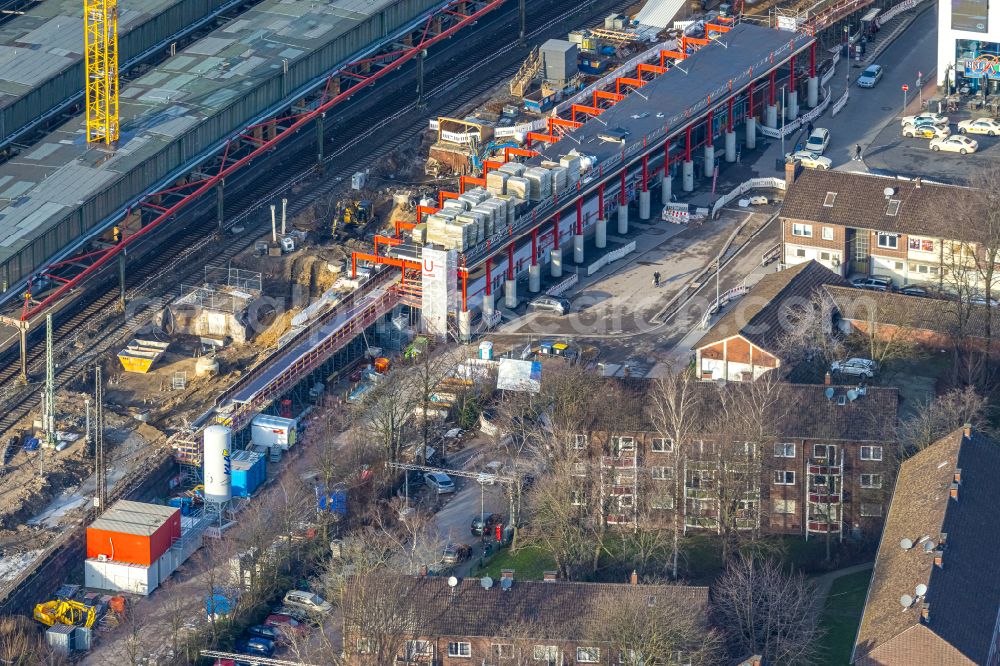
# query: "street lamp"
[847,54]
[783,119]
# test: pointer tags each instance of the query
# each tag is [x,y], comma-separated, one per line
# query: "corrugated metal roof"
[659,13]
[134,518]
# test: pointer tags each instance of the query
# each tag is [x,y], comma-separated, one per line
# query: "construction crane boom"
[101,58]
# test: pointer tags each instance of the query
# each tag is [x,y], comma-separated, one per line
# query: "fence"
[839,105]
[610,257]
[744,187]
[905,5]
[721,302]
[561,288]
[827,76]
[792,127]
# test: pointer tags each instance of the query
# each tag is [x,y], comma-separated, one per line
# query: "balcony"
[824,498]
[622,490]
[825,470]
[823,527]
[620,519]
[623,461]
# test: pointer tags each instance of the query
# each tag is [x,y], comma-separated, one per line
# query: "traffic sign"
[905,87]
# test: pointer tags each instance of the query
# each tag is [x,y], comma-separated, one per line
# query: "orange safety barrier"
[646,67]
[402,225]
[491,165]
[673,55]
[469,180]
[638,83]
[589,110]
[421,211]
[405,264]
[715,27]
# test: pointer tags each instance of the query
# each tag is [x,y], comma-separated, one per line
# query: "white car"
[818,140]
[955,144]
[869,77]
[307,602]
[927,131]
[934,118]
[988,126]
[860,367]
[810,159]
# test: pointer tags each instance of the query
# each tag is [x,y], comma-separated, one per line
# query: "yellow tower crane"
[101,47]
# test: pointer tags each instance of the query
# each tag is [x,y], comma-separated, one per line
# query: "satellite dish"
[929,547]
[829,393]
[906,601]
[905,544]
[852,395]
[506,584]
[888,191]
[452,581]
[486,582]
[921,589]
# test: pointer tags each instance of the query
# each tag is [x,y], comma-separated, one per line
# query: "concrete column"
[623,220]
[793,104]
[751,125]
[687,176]
[771,119]
[487,306]
[812,92]
[555,261]
[465,325]
[709,160]
[666,188]
[578,248]
[601,234]
[730,146]
[644,205]
[510,293]
[535,278]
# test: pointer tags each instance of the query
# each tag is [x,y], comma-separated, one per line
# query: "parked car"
[927,117]
[955,144]
[818,140]
[810,159]
[927,131]
[859,367]
[979,299]
[256,646]
[873,283]
[284,623]
[456,552]
[439,482]
[913,291]
[871,76]
[988,126]
[272,634]
[551,303]
[480,525]
[307,601]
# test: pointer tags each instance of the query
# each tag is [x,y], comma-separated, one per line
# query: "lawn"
[841,616]
[528,563]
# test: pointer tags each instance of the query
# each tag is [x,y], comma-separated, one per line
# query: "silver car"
[551,303]
[870,76]
[859,367]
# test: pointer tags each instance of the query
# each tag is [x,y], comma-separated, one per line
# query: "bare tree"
[936,417]
[764,611]
[386,410]
[378,622]
[810,340]
[21,642]
[978,222]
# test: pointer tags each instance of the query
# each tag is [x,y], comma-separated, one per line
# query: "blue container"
[249,471]
[333,500]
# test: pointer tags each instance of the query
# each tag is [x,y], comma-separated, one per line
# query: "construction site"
[254,208]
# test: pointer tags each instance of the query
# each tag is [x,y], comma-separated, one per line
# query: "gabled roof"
[559,610]
[964,594]
[861,202]
[758,316]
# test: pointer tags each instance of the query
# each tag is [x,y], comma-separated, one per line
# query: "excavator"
[65,612]
[353,213]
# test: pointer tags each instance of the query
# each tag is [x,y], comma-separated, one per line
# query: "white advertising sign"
[439,289]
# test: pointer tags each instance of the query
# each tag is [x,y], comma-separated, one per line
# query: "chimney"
[550,576]
[507,573]
[968,431]
[634,579]
[422,571]
[827,380]
[939,559]
[953,491]
[944,539]
[916,182]
[792,168]
[925,613]
[958,476]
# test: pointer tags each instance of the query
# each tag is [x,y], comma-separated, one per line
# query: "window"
[660,473]
[577,498]
[364,645]
[871,510]
[623,443]
[626,501]
[898,265]
[804,230]
[820,451]
[630,656]
[871,453]
[824,256]
[546,653]
[579,442]
[799,252]
[871,480]
[588,655]
[503,650]
[784,478]
[829,199]
[892,209]
[920,244]
[828,233]
[416,649]
[459,649]
[662,445]
[783,506]
[890,241]
[579,469]
[784,450]
[664,501]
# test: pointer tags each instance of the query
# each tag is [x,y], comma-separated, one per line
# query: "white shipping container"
[273,431]
[120,576]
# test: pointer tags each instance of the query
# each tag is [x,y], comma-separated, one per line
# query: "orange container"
[134,532]
[381,365]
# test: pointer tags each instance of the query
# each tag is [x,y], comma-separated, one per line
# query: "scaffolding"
[101,62]
[526,74]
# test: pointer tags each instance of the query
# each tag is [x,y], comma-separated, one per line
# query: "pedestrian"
[798,146]
[656,279]
[857,152]
[809,129]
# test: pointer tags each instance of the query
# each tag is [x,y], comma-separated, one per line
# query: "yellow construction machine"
[65,612]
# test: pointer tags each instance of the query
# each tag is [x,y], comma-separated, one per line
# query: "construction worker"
[656,279]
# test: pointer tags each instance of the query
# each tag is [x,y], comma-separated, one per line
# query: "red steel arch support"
[710,128]
[729,119]
[645,173]
[579,216]
[489,277]
[791,73]
[622,201]
[600,201]
[687,144]
[749,113]
[773,89]
[510,261]
[555,231]
[534,246]
[812,60]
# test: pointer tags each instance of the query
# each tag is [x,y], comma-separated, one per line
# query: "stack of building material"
[572,165]
[513,168]
[559,178]
[519,187]
[496,182]
[539,183]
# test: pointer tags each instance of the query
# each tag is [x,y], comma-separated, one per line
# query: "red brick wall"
[839,241]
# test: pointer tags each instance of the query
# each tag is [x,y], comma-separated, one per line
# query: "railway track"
[182,254]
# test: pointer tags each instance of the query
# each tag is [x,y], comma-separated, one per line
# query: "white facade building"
[969,46]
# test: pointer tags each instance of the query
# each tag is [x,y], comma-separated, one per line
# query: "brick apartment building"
[434,621]
[860,224]
[934,596]
[823,462]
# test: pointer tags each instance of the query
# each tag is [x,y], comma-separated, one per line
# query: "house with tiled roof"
[934,596]
[814,459]
[452,622]
[747,339]
[859,224]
